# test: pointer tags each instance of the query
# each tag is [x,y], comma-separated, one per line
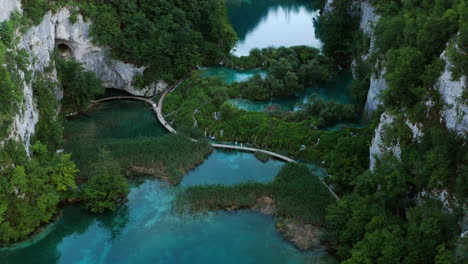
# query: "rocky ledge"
[303,236]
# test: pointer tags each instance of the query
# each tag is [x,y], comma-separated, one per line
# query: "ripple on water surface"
[147,230]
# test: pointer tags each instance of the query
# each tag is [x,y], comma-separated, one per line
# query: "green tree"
[107,186]
[80,86]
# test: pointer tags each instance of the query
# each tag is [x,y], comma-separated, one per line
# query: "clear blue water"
[265,23]
[146,229]
[237,167]
[337,89]
[230,75]
[343,125]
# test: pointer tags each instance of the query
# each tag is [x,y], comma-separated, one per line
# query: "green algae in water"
[286,104]
[147,230]
[117,119]
[337,89]
[230,75]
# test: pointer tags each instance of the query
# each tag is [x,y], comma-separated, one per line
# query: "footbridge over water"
[157,108]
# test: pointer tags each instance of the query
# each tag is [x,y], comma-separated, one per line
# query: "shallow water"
[343,125]
[337,89]
[230,75]
[147,230]
[118,119]
[229,167]
[265,23]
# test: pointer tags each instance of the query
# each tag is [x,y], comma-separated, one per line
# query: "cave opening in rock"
[65,50]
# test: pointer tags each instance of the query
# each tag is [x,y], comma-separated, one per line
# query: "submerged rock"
[265,205]
[304,236]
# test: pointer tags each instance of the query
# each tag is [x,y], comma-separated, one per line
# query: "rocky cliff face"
[27,117]
[454,115]
[40,41]
[379,148]
[7,7]
[369,19]
[455,112]
[56,29]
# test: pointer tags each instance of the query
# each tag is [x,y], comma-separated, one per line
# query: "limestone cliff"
[40,41]
[7,7]
[379,148]
[454,114]
[57,29]
[369,18]
[455,111]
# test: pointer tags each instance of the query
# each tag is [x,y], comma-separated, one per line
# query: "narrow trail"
[157,108]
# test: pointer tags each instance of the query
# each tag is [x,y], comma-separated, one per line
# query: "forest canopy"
[169,38]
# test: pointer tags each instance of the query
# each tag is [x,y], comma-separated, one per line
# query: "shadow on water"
[246,15]
[264,23]
[147,229]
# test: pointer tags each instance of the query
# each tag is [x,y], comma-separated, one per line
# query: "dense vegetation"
[80,86]
[339,32]
[167,37]
[11,92]
[298,194]
[394,214]
[135,151]
[32,185]
[275,129]
[203,102]
[31,191]
[107,186]
[289,71]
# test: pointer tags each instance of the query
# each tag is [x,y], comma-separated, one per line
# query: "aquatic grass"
[133,137]
[172,155]
[298,193]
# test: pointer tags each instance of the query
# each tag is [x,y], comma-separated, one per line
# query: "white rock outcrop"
[25,121]
[7,7]
[328,6]
[455,111]
[113,73]
[369,19]
[40,41]
[378,147]
[377,85]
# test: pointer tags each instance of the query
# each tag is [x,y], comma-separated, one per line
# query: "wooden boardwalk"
[157,108]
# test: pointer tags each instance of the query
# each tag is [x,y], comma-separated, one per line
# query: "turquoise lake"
[337,89]
[265,23]
[146,229]
[230,75]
